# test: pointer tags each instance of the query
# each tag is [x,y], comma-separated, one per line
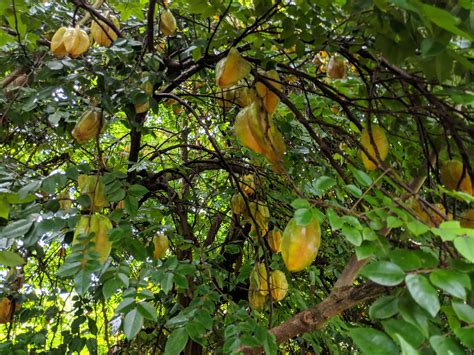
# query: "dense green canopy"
[148,172]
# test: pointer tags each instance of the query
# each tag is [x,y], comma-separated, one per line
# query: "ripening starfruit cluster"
[255,212]
[72,41]
[376,144]
[95,229]
[260,286]
[254,125]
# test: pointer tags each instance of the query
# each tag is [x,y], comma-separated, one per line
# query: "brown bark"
[315,317]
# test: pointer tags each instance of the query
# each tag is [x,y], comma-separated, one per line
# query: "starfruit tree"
[237,176]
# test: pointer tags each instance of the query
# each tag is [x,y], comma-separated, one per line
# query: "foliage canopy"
[184,191]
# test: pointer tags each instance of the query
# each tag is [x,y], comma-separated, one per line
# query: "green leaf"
[131,205]
[417,228]
[407,349]
[176,341]
[334,220]
[110,287]
[445,20]
[371,341]
[323,183]
[464,312]
[354,190]
[452,282]
[384,307]
[4,208]
[361,177]
[352,234]
[443,345]
[303,216]
[466,335]
[384,273]
[423,293]
[16,229]
[465,247]
[147,311]
[10,258]
[82,281]
[137,190]
[300,203]
[132,323]
[409,332]
[394,222]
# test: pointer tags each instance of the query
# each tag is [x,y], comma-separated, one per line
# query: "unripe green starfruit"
[101,32]
[161,245]
[167,22]
[231,69]
[88,126]
[300,244]
[94,187]
[381,144]
[278,285]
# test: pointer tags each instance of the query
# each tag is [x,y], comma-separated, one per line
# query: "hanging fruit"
[248,184]
[451,175]
[269,98]
[64,200]
[167,22]
[259,279]
[256,300]
[237,204]
[245,96]
[300,244]
[248,130]
[336,68]
[161,245]
[99,226]
[261,215]
[255,130]
[70,41]
[274,241]
[11,90]
[94,187]
[147,87]
[467,218]
[6,310]
[88,126]
[101,32]
[381,144]
[57,43]
[231,69]
[279,285]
